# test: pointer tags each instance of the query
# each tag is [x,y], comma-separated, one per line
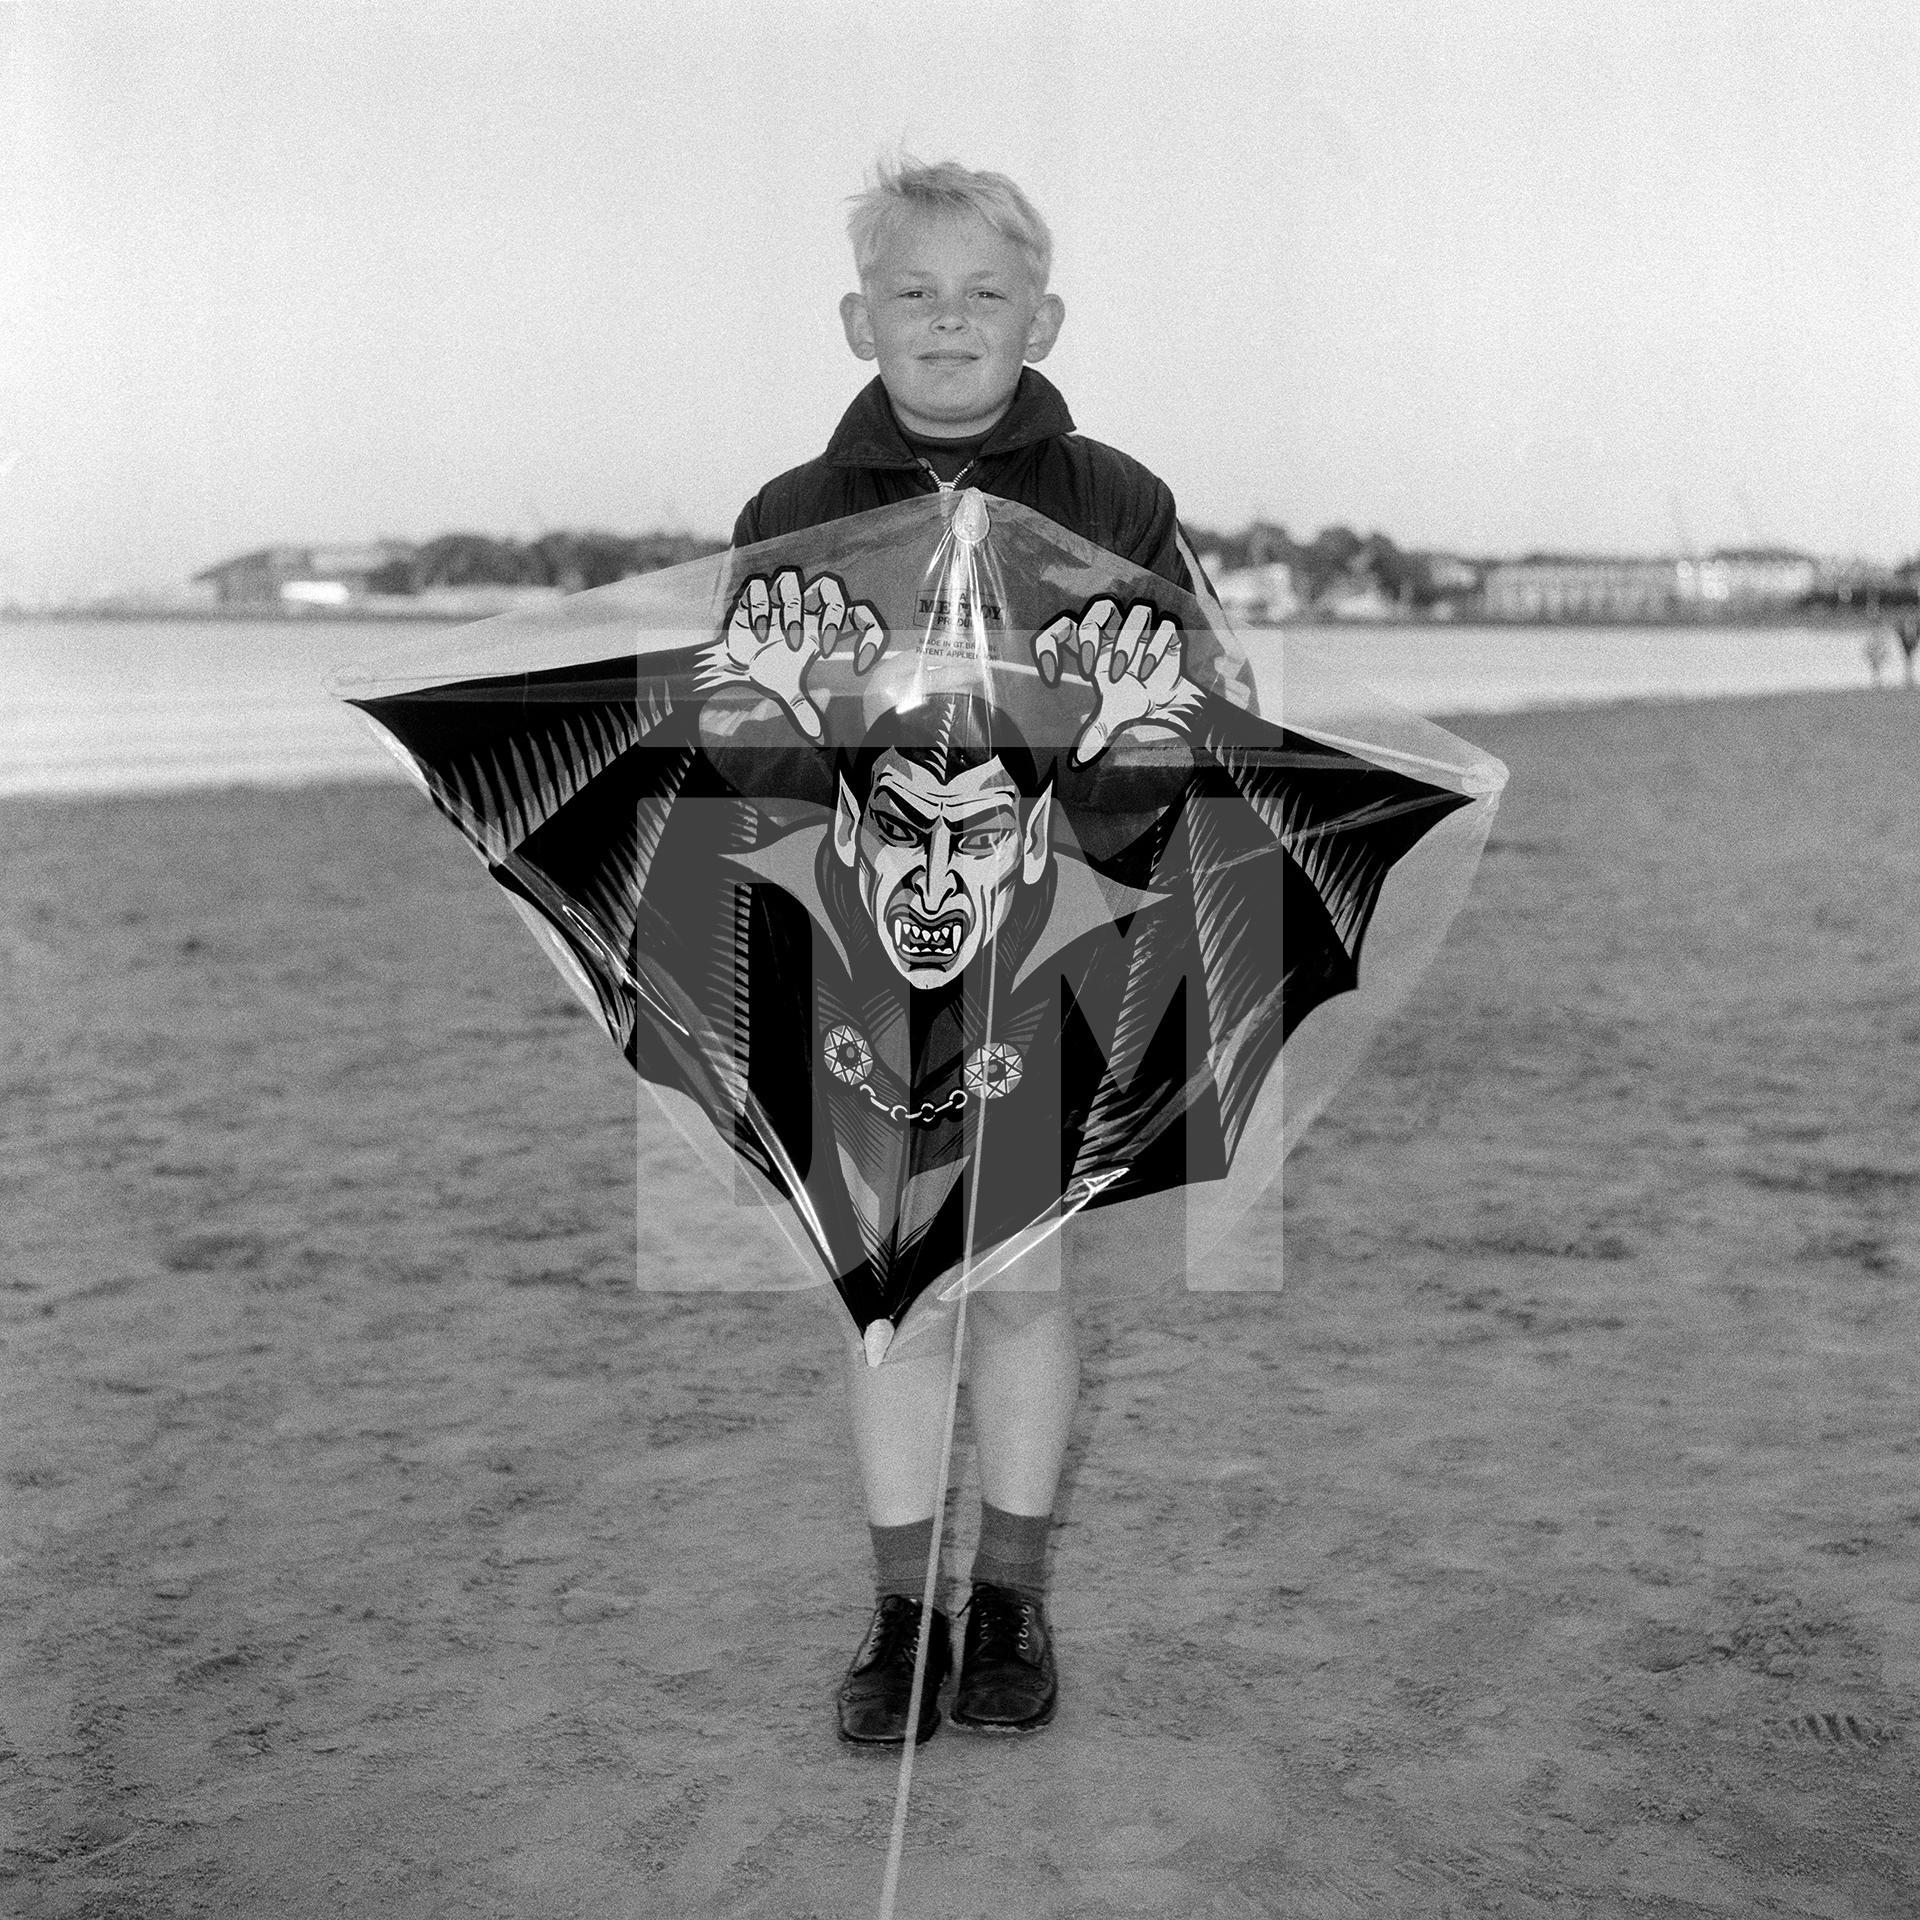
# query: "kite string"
[897,1840]
[903,1786]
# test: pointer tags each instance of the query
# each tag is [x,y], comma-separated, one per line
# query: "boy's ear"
[859,325]
[1048,318]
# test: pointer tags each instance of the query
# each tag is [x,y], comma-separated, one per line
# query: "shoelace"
[1000,1619]
[897,1628]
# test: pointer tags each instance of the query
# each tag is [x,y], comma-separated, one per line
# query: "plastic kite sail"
[946,876]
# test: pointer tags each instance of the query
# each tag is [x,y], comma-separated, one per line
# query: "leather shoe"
[1008,1680]
[878,1689]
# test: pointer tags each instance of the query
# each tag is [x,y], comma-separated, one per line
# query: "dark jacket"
[1032,456]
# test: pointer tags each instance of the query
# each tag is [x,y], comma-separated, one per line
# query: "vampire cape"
[1207,889]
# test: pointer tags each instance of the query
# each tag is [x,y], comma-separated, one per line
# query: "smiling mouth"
[928,943]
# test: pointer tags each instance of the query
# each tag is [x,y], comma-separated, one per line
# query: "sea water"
[115,706]
[101,706]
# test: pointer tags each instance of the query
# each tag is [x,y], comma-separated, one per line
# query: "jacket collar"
[869,436]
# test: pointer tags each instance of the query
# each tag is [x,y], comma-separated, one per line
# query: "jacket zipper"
[947,486]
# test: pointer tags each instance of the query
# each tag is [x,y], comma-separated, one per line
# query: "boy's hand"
[1135,668]
[778,628]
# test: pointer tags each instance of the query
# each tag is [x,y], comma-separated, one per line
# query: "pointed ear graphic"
[846,824]
[1037,843]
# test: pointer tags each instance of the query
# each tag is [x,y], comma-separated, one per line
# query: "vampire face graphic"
[943,818]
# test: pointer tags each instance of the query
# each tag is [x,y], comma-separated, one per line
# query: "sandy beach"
[1549,1547]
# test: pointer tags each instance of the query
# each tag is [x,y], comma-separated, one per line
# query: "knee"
[1005,1318]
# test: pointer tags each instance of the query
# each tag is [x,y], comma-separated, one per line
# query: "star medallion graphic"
[993,1070]
[849,1058]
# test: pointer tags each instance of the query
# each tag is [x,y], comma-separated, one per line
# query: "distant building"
[1448,574]
[1451,587]
[317,576]
[1566,587]
[1748,577]
[1259,596]
[1358,597]
[1855,581]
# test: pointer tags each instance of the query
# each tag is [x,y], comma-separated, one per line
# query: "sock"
[900,1558]
[1013,1551]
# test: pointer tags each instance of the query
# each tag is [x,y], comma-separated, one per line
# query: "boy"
[952,307]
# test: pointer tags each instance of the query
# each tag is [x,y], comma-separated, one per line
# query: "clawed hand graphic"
[779,627]
[1134,666]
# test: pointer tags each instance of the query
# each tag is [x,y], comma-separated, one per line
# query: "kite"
[948,877]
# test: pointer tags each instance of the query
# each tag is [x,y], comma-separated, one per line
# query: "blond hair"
[901,186]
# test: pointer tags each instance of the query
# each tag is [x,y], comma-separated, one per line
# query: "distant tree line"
[570,561]
[574,561]
[1334,554]
[1338,556]
[1898,588]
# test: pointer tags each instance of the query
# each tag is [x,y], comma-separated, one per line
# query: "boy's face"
[951,314]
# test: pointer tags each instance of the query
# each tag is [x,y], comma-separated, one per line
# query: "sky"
[1642,275]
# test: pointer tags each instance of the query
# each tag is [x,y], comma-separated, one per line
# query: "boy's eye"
[982,839]
[891,827]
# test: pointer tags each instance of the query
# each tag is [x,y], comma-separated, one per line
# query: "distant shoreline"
[1835,619]
[264,616]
